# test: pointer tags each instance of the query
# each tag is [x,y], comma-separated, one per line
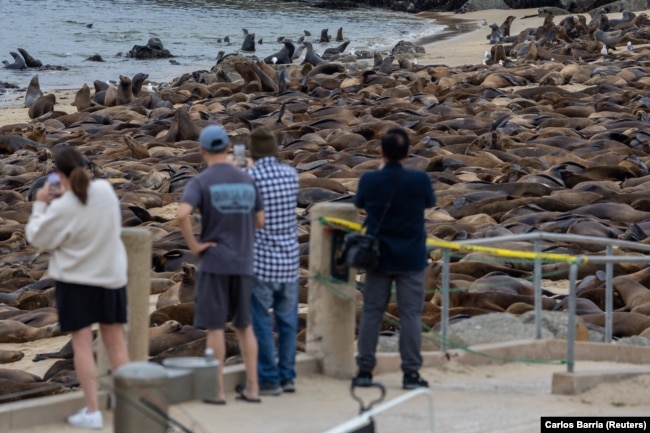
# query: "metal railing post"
[538,290]
[571,337]
[609,294]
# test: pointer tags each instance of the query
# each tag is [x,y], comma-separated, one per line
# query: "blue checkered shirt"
[277,254]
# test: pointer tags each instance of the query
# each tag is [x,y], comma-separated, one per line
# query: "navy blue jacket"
[402,236]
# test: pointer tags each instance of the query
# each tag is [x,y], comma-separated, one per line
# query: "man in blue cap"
[231,209]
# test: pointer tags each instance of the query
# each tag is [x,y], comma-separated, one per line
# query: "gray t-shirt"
[228,200]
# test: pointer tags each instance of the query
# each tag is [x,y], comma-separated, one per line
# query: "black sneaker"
[288,385]
[363,379]
[270,389]
[413,381]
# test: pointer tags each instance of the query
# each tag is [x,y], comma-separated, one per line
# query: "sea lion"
[249,43]
[33,92]
[182,313]
[124,91]
[284,56]
[43,105]
[137,81]
[334,51]
[12,390]
[13,331]
[324,36]
[29,60]
[19,62]
[339,34]
[625,324]
[82,99]
[310,56]
[171,334]
[9,356]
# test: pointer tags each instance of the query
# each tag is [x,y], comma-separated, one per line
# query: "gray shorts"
[222,298]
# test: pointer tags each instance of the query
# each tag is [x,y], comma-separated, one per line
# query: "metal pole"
[538,290]
[571,337]
[609,295]
[444,318]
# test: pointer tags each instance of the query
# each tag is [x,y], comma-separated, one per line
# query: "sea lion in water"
[249,43]
[19,62]
[33,92]
[29,60]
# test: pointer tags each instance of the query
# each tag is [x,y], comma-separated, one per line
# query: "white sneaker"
[85,419]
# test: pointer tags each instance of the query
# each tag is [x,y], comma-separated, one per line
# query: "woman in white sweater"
[79,223]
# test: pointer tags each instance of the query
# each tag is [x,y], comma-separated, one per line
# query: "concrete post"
[137,241]
[332,312]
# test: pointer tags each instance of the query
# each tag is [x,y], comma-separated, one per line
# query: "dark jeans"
[410,301]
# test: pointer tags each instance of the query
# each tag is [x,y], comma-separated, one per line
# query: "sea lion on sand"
[11,390]
[13,331]
[18,375]
[623,324]
[311,57]
[171,334]
[284,56]
[82,99]
[182,313]
[124,91]
[33,92]
[43,105]
[8,356]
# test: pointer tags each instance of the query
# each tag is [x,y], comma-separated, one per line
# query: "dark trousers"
[410,301]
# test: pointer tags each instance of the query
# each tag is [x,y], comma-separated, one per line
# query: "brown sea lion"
[33,92]
[623,324]
[43,105]
[180,312]
[170,334]
[13,331]
[9,356]
[11,390]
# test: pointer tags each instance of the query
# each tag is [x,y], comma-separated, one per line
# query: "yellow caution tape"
[438,243]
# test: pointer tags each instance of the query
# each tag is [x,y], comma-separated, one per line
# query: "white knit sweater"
[84,240]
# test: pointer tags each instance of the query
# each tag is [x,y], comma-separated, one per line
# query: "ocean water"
[67,32]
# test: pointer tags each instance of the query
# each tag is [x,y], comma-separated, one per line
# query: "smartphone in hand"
[54,182]
[239,150]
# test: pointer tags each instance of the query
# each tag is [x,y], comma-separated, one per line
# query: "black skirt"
[80,305]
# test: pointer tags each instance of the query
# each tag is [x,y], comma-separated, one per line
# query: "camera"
[239,150]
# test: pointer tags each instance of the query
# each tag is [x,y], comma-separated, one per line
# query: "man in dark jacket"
[394,199]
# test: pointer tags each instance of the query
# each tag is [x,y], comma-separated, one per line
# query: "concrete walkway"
[467,398]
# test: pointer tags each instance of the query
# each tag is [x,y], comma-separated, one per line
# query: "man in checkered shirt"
[276,263]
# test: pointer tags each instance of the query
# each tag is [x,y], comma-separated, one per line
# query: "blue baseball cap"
[214,138]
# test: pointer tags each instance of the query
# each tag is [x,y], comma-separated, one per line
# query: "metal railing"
[574,261]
